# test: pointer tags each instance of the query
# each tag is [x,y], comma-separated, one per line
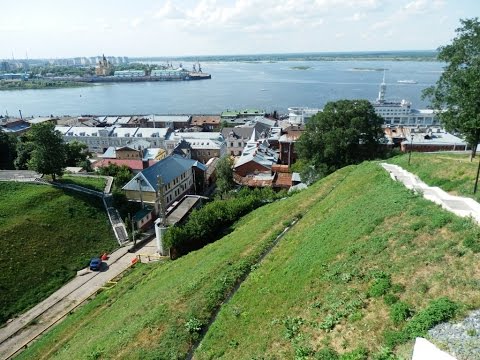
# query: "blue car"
[95,264]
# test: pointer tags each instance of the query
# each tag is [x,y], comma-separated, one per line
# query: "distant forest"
[407,55]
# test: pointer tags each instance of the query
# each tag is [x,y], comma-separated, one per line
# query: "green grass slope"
[46,235]
[89,182]
[156,311]
[348,275]
[453,172]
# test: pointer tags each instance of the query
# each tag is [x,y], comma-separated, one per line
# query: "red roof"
[283,180]
[280,168]
[132,164]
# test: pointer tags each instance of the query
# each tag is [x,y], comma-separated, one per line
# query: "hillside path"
[22,330]
[459,205]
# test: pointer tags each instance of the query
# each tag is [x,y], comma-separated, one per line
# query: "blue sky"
[55,28]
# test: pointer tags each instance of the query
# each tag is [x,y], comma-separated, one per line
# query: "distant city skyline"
[59,29]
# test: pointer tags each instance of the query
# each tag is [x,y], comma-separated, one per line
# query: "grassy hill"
[366,255]
[46,235]
[454,173]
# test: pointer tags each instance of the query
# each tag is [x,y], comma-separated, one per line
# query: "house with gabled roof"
[179,177]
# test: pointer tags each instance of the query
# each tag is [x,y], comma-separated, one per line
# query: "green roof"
[140,214]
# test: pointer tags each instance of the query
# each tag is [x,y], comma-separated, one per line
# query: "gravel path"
[462,339]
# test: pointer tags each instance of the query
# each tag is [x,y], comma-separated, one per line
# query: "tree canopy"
[76,153]
[48,155]
[224,181]
[8,151]
[345,132]
[457,92]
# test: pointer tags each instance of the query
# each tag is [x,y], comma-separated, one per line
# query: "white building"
[129,73]
[99,139]
[401,112]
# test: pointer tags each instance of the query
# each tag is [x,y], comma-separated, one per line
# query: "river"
[234,85]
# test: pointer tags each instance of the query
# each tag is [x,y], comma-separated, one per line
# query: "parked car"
[95,264]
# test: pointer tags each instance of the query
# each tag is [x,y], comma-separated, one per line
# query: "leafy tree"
[8,151]
[77,153]
[24,152]
[225,181]
[458,89]
[345,132]
[122,174]
[48,155]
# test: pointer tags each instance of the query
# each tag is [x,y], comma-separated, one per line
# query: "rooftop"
[169,168]
[168,118]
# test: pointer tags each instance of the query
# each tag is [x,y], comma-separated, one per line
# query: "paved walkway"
[18,175]
[28,326]
[461,206]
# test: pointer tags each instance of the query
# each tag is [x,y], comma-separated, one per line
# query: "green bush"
[193,325]
[400,312]
[472,243]
[384,354]
[390,299]
[380,286]
[213,220]
[437,311]
[357,354]
[326,354]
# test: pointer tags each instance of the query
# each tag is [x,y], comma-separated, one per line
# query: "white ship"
[401,112]
[407,82]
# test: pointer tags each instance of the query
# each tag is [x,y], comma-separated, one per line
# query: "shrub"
[400,312]
[398,288]
[193,325]
[326,354]
[380,287]
[384,354]
[292,326]
[214,219]
[437,311]
[394,338]
[357,354]
[390,299]
[472,243]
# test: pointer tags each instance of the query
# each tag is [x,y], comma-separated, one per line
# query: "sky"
[59,28]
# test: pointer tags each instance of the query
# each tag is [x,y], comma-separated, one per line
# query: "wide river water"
[234,85]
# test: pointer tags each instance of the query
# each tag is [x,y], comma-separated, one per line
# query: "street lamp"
[410,149]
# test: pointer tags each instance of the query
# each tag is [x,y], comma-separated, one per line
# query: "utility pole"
[139,183]
[476,179]
[161,201]
[410,150]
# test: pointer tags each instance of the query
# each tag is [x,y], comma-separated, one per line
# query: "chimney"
[145,164]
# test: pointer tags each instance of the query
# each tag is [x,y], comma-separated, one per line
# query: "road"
[22,330]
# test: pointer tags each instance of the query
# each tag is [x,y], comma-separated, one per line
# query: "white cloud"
[423,6]
[356,17]
[169,11]
[136,22]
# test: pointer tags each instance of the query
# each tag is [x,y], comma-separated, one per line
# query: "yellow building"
[104,67]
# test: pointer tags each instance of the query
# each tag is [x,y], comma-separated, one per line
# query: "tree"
[345,132]
[224,181]
[24,152]
[121,173]
[8,151]
[457,92]
[48,155]
[77,153]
